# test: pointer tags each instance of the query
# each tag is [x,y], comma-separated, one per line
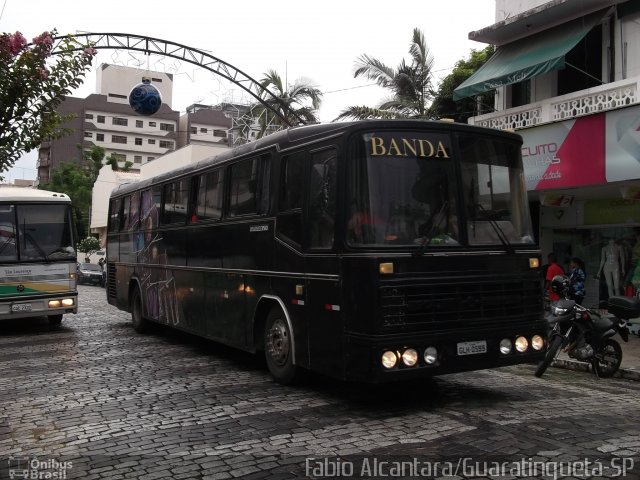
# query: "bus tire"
[140,324]
[55,320]
[278,348]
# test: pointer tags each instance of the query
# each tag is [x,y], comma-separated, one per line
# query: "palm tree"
[409,83]
[294,105]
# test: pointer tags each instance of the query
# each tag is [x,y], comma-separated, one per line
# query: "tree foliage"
[77,180]
[443,105]
[88,245]
[300,100]
[32,85]
[409,83]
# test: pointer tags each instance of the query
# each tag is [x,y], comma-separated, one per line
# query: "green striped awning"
[529,57]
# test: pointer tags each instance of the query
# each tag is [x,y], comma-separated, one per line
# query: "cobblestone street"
[95,400]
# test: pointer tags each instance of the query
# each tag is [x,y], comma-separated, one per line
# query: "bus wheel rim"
[279,342]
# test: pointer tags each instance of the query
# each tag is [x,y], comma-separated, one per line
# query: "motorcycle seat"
[603,324]
[624,307]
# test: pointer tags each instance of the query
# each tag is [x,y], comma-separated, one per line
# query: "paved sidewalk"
[630,368]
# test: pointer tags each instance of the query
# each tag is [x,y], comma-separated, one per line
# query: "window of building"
[100,137]
[88,116]
[116,95]
[138,141]
[167,127]
[137,159]
[176,199]
[220,133]
[119,121]
[118,139]
[120,157]
[152,124]
[521,93]
[203,130]
[139,124]
[157,80]
[88,134]
[193,130]
[210,195]
[100,118]
[150,159]
[165,144]
[151,141]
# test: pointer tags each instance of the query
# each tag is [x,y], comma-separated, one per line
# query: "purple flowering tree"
[33,82]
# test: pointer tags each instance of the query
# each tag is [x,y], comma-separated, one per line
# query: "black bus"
[367,251]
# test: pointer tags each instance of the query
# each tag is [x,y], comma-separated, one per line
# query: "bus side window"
[209,197]
[290,198]
[244,188]
[176,199]
[124,219]
[134,212]
[322,199]
[114,217]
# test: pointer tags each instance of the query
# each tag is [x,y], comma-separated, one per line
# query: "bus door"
[247,247]
[321,264]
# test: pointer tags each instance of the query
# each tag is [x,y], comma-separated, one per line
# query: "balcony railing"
[609,96]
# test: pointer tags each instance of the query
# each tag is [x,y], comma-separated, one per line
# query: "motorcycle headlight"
[557,311]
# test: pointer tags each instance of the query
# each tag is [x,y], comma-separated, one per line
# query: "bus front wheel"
[140,324]
[278,348]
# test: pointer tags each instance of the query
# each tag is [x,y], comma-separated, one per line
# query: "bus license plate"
[472,348]
[21,307]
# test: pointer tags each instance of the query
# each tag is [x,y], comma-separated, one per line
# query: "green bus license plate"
[21,307]
[472,348]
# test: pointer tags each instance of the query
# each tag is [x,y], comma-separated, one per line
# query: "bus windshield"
[403,191]
[36,233]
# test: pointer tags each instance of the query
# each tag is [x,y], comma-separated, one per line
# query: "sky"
[318,42]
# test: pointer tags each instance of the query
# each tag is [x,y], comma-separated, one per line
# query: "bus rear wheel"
[55,320]
[140,324]
[278,348]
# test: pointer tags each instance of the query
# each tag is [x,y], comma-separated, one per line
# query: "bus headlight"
[409,357]
[505,346]
[521,344]
[430,355]
[389,359]
[54,303]
[537,342]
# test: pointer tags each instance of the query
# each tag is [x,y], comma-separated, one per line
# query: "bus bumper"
[44,305]
[379,359]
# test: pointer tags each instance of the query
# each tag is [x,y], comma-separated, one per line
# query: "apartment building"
[566,74]
[105,119]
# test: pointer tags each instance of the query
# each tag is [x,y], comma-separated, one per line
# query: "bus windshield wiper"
[496,228]
[427,237]
[27,236]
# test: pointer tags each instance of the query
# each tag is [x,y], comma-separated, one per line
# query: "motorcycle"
[586,335]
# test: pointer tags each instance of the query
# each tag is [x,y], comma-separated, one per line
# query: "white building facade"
[567,78]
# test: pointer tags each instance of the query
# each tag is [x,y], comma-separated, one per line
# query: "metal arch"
[150,45]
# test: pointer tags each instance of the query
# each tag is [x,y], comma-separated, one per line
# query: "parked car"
[89,273]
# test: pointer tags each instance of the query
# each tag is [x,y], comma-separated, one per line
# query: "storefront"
[585,174]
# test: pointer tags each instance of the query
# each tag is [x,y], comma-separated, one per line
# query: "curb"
[626,373]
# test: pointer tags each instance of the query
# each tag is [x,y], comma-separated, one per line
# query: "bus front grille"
[455,304]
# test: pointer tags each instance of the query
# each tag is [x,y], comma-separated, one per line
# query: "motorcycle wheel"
[552,351]
[606,361]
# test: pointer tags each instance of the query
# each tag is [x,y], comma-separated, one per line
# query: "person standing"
[552,270]
[577,276]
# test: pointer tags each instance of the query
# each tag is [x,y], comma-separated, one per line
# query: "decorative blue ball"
[144,98]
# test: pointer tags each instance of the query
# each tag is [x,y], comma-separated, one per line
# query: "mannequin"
[612,266]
